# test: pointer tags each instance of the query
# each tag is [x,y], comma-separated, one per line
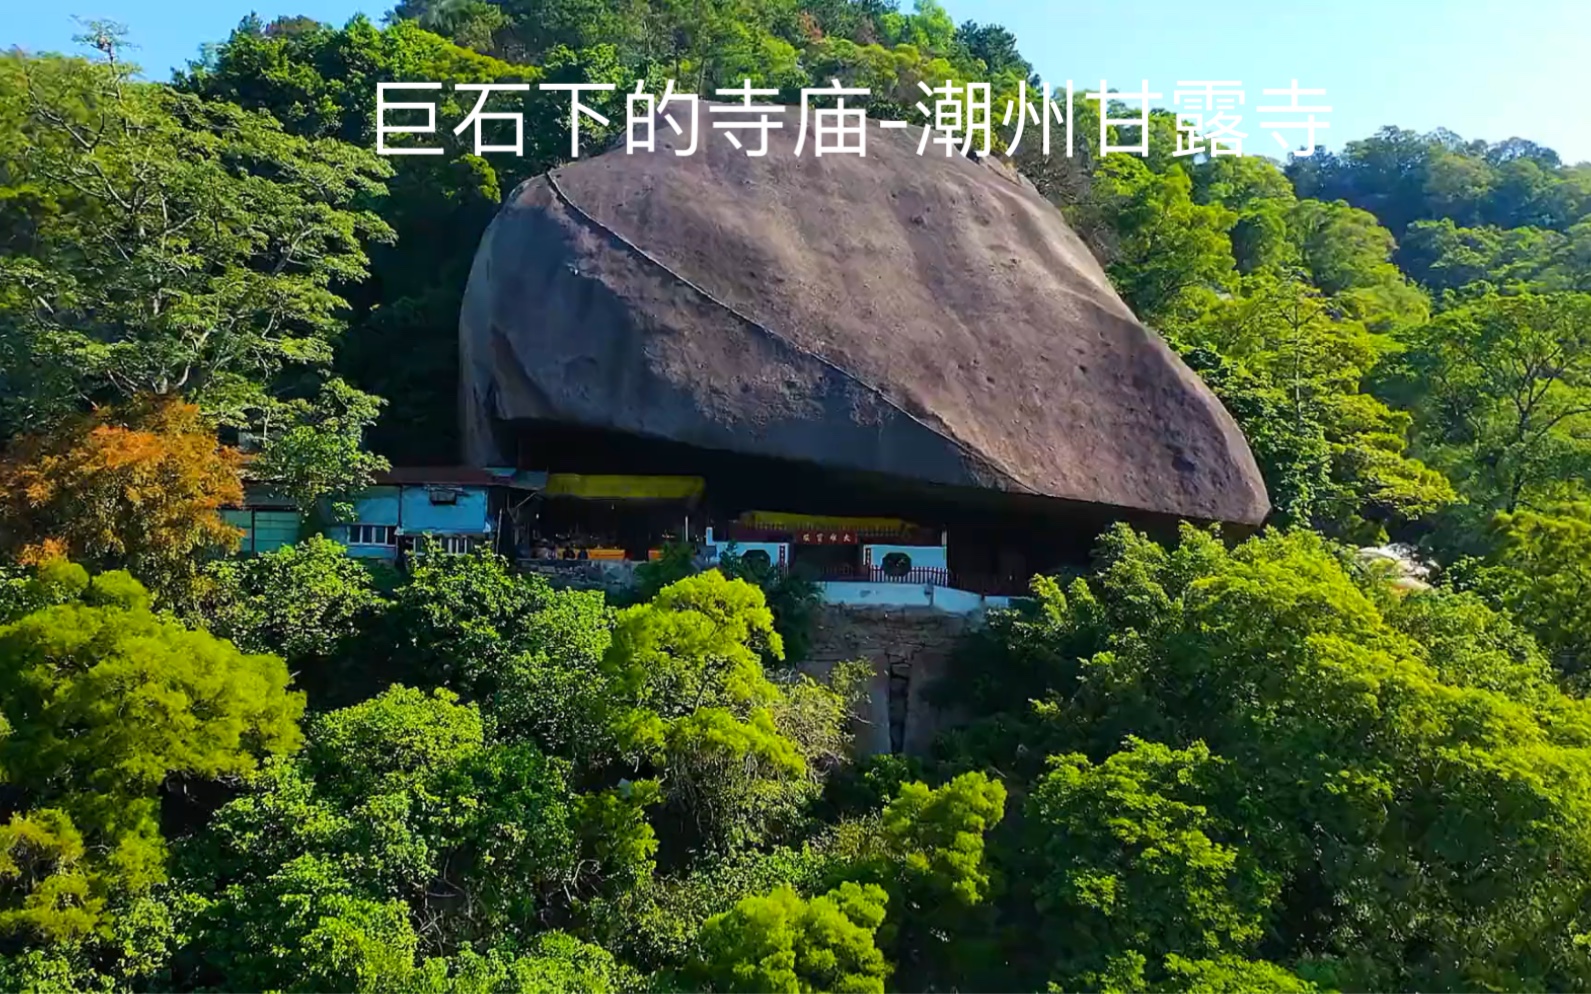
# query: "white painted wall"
[921,556]
[778,552]
[947,599]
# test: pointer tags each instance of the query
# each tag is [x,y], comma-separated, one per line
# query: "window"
[274,529]
[372,535]
[444,495]
[244,522]
[454,545]
[897,564]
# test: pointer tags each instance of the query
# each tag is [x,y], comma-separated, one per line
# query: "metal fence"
[922,575]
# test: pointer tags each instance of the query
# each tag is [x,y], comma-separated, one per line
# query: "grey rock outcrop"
[926,317]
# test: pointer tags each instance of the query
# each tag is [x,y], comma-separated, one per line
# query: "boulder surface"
[928,317]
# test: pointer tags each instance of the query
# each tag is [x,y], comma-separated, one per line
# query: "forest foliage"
[1204,765]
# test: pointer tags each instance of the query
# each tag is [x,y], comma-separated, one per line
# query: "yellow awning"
[624,487]
[781,521]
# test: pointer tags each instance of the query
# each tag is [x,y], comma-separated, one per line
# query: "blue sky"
[1484,68]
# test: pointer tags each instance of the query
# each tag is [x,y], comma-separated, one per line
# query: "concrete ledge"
[947,599]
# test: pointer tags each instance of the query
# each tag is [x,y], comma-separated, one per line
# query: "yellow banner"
[624,487]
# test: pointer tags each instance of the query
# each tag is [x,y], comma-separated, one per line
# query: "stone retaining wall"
[909,648]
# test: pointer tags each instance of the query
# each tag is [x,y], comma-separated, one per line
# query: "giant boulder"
[927,317]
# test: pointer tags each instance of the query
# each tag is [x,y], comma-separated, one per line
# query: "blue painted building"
[460,508]
[267,521]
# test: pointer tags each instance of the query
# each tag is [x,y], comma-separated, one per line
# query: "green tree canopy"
[309,601]
[1501,387]
[780,942]
[1280,760]
[106,709]
[163,243]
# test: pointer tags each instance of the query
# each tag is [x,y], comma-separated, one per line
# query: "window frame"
[448,543]
[357,534]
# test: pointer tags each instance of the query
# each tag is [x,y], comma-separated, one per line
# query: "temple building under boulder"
[886,369]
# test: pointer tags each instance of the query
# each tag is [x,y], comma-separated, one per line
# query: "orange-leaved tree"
[137,487]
